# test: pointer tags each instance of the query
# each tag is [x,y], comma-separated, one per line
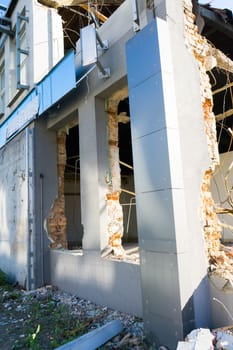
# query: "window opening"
[127,198]
[74,229]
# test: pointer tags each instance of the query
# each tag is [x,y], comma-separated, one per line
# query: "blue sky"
[221,4]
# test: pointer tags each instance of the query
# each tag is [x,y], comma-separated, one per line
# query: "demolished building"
[116,134]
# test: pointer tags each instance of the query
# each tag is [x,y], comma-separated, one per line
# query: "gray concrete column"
[45,192]
[168,276]
[94,167]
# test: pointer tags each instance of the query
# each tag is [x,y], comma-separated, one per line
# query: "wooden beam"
[61,3]
[227,86]
[98,14]
[224,115]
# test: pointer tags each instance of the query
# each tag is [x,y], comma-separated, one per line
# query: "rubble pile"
[204,339]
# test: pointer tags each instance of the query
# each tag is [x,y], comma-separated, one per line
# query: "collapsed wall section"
[207,58]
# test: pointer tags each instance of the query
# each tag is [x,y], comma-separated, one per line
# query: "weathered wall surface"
[13,209]
[112,283]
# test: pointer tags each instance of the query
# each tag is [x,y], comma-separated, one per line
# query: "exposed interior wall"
[14,209]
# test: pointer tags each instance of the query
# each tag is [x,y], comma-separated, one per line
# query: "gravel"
[28,320]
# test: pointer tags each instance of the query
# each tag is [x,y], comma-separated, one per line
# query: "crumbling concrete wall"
[56,222]
[14,209]
[114,209]
[207,58]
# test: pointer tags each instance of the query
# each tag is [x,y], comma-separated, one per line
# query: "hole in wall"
[127,197]
[74,231]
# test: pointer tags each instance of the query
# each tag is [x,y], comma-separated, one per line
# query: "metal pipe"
[94,339]
[41,226]
[129,192]
[126,165]
[129,214]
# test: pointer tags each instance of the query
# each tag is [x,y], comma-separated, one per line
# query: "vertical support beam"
[165,237]
[46,189]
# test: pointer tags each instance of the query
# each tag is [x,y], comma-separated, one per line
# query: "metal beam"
[224,115]
[225,87]
[98,14]
[6,30]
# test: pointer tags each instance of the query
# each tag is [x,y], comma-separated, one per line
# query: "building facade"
[107,152]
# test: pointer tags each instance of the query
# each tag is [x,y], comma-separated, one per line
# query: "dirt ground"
[46,318]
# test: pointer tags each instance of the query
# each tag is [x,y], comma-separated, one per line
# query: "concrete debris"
[204,339]
[224,341]
[130,253]
[198,339]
